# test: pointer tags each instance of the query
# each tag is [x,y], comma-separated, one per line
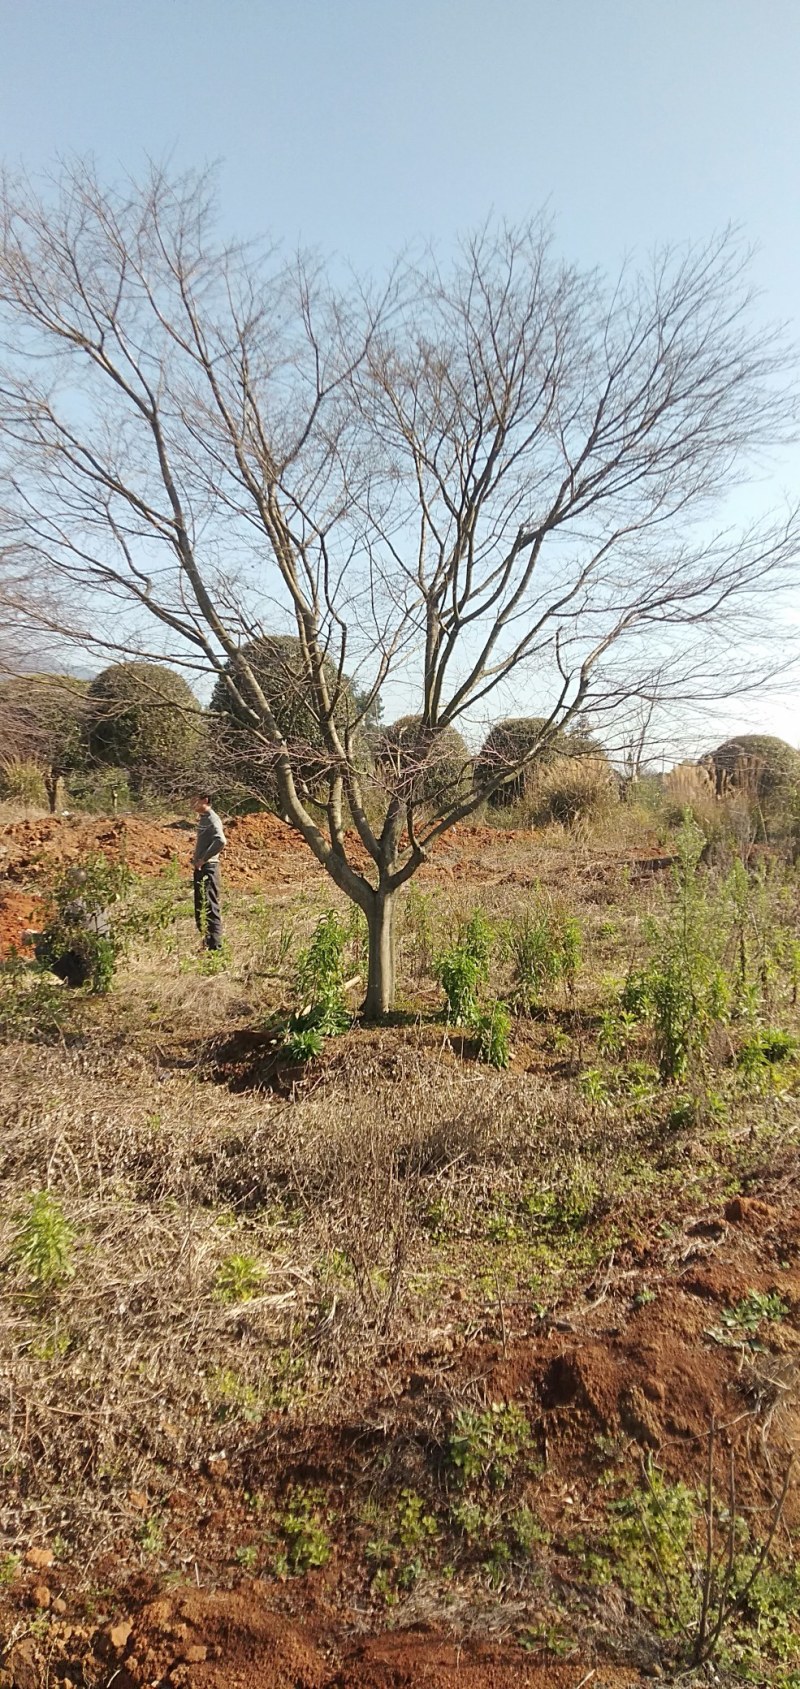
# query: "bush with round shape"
[146,719]
[43,718]
[571,789]
[762,767]
[431,767]
[279,667]
[514,738]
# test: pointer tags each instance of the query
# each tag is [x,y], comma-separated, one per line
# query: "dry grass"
[398,1172]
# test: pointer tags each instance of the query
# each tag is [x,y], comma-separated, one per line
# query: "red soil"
[262,853]
[197,1639]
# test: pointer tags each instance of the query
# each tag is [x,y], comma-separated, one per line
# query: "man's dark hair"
[205,797]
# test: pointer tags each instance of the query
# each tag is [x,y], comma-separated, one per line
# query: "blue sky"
[358,125]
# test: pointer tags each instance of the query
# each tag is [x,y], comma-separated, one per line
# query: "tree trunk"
[52,786]
[380,984]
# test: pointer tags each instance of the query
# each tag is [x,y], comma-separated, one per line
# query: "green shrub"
[429,767]
[43,1244]
[493,1027]
[519,737]
[545,947]
[145,718]
[764,1050]
[464,968]
[22,782]
[684,989]
[320,980]
[82,940]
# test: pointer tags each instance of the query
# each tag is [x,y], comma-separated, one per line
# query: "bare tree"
[489,480]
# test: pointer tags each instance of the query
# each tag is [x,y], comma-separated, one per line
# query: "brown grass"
[402,1202]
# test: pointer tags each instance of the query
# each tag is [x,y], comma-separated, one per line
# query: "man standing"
[209,844]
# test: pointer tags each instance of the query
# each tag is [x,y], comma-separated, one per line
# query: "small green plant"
[151,1536]
[238,1279]
[9,1567]
[493,1027]
[617,1027]
[593,1087]
[302,1529]
[246,1556]
[320,979]
[409,1530]
[43,1244]
[303,1046]
[485,1447]
[232,1397]
[746,1316]
[767,1048]
[545,948]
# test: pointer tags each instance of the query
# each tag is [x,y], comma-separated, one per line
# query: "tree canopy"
[146,719]
[498,471]
[43,717]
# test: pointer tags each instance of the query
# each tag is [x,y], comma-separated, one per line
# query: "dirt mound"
[31,849]
[261,848]
[264,852]
[19,910]
[201,1639]
[216,1641]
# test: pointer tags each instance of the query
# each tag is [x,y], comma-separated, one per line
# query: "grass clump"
[43,1245]
[238,1279]
[485,1447]
[305,1540]
[545,948]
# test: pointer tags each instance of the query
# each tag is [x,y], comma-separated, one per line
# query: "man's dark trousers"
[207,904]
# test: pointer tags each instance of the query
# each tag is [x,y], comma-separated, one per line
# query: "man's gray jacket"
[210,838]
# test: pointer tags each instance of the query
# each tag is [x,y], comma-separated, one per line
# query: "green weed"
[238,1279]
[43,1244]
[302,1529]
[755,1307]
[464,969]
[545,948]
[303,1046]
[232,1397]
[493,1028]
[320,979]
[485,1447]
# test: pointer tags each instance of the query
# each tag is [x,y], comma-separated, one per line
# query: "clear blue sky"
[357,125]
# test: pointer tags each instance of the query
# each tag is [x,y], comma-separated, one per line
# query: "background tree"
[145,718]
[757,764]
[426,770]
[512,752]
[43,718]
[496,475]
[279,665]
